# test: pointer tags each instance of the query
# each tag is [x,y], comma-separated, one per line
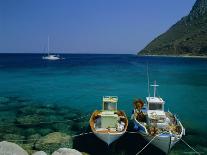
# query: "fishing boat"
[50,56]
[109,124]
[160,128]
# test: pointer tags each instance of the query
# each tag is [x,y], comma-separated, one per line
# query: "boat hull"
[109,138]
[46,58]
[161,142]
[164,142]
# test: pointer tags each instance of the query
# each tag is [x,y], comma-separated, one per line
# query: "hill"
[187,37]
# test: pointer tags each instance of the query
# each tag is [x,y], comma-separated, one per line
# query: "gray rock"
[39,153]
[54,141]
[7,148]
[66,151]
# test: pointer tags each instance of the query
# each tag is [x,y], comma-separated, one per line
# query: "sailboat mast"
[48,45]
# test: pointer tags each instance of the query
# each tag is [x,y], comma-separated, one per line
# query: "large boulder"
[54,141]
[7,148]
[39,153]
[66,151]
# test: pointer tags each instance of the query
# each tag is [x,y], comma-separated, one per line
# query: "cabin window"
[155,106]
[109,106]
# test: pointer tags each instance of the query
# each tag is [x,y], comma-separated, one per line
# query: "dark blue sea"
[80,80]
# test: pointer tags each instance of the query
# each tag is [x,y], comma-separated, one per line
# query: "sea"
[80,81]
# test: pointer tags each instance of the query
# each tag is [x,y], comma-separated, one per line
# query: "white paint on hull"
[163,142]
[109,138]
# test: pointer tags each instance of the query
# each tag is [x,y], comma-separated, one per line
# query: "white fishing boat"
[109,124]
[160,128]
[50,56]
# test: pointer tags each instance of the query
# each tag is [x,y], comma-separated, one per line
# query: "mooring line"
[190,146]
[147,144]
[25,140]
[38,123]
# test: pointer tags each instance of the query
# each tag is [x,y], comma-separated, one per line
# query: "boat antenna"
[155,86]
[148,80]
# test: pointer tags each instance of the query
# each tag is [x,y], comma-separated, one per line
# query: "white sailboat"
[50,56]
[162,129]
[109,124]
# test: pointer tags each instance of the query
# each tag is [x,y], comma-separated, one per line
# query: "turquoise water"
[80,81]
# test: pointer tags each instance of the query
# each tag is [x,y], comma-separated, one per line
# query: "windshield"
[109,106]
[155,106]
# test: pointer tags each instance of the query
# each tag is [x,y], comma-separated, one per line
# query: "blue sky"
[86,26]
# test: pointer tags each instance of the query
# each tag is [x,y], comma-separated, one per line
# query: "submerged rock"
[29,119]
[53,141]
[66,151]
[45,131]
[39,153]
[13,137]
[7,148]
[3,99]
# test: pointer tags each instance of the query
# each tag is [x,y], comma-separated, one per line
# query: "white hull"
[109,138]
[162,142]
[47,58]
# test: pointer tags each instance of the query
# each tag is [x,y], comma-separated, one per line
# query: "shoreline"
[176,56]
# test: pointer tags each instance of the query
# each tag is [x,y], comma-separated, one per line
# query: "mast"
[148,84]
[155,85]
[48,45]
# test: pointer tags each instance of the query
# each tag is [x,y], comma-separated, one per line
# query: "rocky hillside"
[187,37]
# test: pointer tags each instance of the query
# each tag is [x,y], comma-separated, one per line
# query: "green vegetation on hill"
[187,37]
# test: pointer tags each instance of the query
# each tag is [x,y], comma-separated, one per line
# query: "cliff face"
[187,37]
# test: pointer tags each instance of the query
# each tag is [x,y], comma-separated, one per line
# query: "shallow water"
[80,81]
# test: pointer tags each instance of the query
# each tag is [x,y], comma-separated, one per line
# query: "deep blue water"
[80,81]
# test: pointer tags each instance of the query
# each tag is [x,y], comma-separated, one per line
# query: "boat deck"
[95,123]
[170,123]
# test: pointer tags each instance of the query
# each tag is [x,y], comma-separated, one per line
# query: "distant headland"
[188,37]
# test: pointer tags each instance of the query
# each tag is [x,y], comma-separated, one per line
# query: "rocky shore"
[8,148]
[37,127]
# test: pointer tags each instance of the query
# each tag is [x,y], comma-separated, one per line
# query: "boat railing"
[143,126]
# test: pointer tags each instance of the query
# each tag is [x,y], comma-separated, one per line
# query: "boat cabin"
[110,103]
[109,118]
[155,103]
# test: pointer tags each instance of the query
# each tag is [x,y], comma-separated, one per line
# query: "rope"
[15,124]
[24,140]
[147,144]
[190,146]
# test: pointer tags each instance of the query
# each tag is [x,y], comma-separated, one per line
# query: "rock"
[4,99]
[30,131]
[62,127]
[66,151]
[14,137]
[28,147]
[35,136]
[45,131]
[7,148]
[53,141]
[39,153]
[29,119]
